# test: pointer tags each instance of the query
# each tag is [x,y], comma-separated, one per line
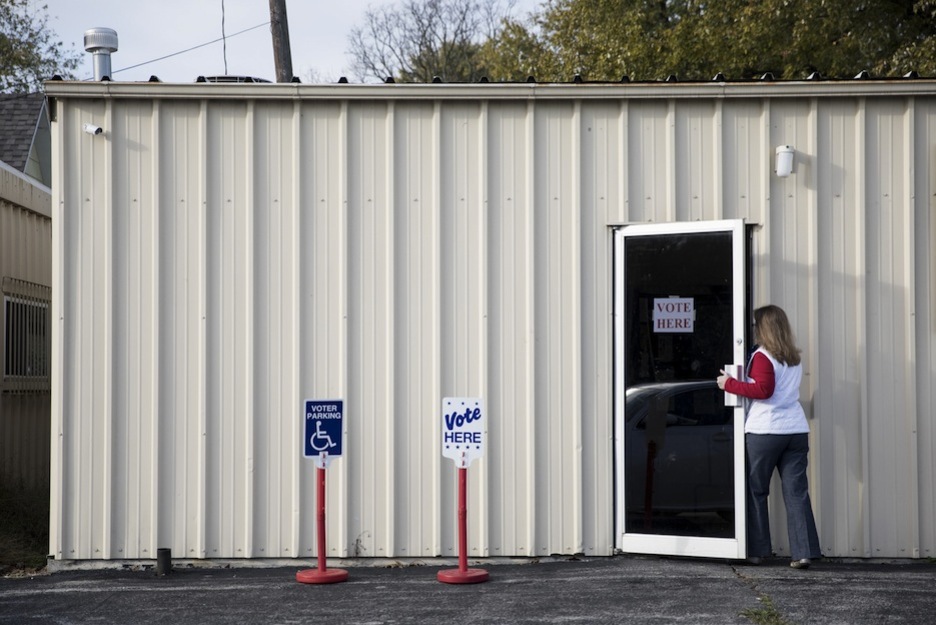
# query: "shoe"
[754,560]
[801,564]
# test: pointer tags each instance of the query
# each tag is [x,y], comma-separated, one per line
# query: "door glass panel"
[678,434]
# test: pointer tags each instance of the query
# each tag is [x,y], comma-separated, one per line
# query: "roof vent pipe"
[100,42]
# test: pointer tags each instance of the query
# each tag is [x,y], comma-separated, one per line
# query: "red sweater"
[762,372]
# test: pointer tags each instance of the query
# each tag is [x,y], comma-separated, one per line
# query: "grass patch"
[24,529]
[767,615]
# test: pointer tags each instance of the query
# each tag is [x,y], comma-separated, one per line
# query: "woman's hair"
[773,332]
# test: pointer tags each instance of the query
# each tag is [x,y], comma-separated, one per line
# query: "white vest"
[781,413]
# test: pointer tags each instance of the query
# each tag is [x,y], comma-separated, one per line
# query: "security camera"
[91,129]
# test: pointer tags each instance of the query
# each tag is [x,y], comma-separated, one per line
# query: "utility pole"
[279,28]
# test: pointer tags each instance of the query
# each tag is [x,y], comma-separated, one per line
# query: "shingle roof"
[19,117]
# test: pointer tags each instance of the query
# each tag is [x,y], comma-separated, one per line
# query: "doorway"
[680,315]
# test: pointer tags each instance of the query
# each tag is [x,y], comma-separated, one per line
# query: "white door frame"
[698,546]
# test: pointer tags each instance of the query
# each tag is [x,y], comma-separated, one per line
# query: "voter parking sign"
[323,421]
[463,429]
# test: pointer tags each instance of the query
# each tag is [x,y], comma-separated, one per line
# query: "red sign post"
[463,440]
[321,575]
[322,440]
[462,575]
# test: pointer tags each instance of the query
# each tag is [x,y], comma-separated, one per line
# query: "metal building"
[25,337]
[223,252]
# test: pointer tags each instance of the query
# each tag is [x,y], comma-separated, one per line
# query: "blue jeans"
[788,454]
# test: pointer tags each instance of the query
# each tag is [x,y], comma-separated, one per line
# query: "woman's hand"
[721,379]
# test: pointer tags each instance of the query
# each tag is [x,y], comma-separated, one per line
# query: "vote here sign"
[673,314]
[463,429]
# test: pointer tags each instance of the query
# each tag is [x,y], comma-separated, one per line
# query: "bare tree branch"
[418,40]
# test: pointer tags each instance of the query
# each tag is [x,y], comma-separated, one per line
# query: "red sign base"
[459,576]
[317,576]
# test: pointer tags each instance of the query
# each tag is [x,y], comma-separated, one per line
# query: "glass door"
[679,317]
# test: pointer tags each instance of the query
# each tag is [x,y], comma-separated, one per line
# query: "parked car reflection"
[679,459]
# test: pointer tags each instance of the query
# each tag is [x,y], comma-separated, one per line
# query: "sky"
[152,29]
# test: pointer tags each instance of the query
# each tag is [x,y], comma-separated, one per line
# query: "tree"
[839,38]
[917,51]
[608,39]
[421,39]
[517,53]
[696,39]
[29,50]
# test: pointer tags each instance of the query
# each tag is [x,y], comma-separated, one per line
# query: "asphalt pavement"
[619,589]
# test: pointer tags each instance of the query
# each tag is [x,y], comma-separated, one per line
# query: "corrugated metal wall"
[224,252]
[25,259]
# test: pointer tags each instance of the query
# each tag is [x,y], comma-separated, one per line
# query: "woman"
[776,437]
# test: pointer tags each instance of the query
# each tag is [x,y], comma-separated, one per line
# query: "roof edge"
[25,192]
[491,91]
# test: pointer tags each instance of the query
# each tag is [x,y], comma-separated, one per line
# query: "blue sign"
[323,428]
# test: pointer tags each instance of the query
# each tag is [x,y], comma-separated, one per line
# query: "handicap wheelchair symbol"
[322,429]
[320,439]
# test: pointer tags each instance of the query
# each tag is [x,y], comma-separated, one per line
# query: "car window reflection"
[679,438]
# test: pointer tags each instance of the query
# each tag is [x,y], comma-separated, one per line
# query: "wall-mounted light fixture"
[91,129]
[784,160]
